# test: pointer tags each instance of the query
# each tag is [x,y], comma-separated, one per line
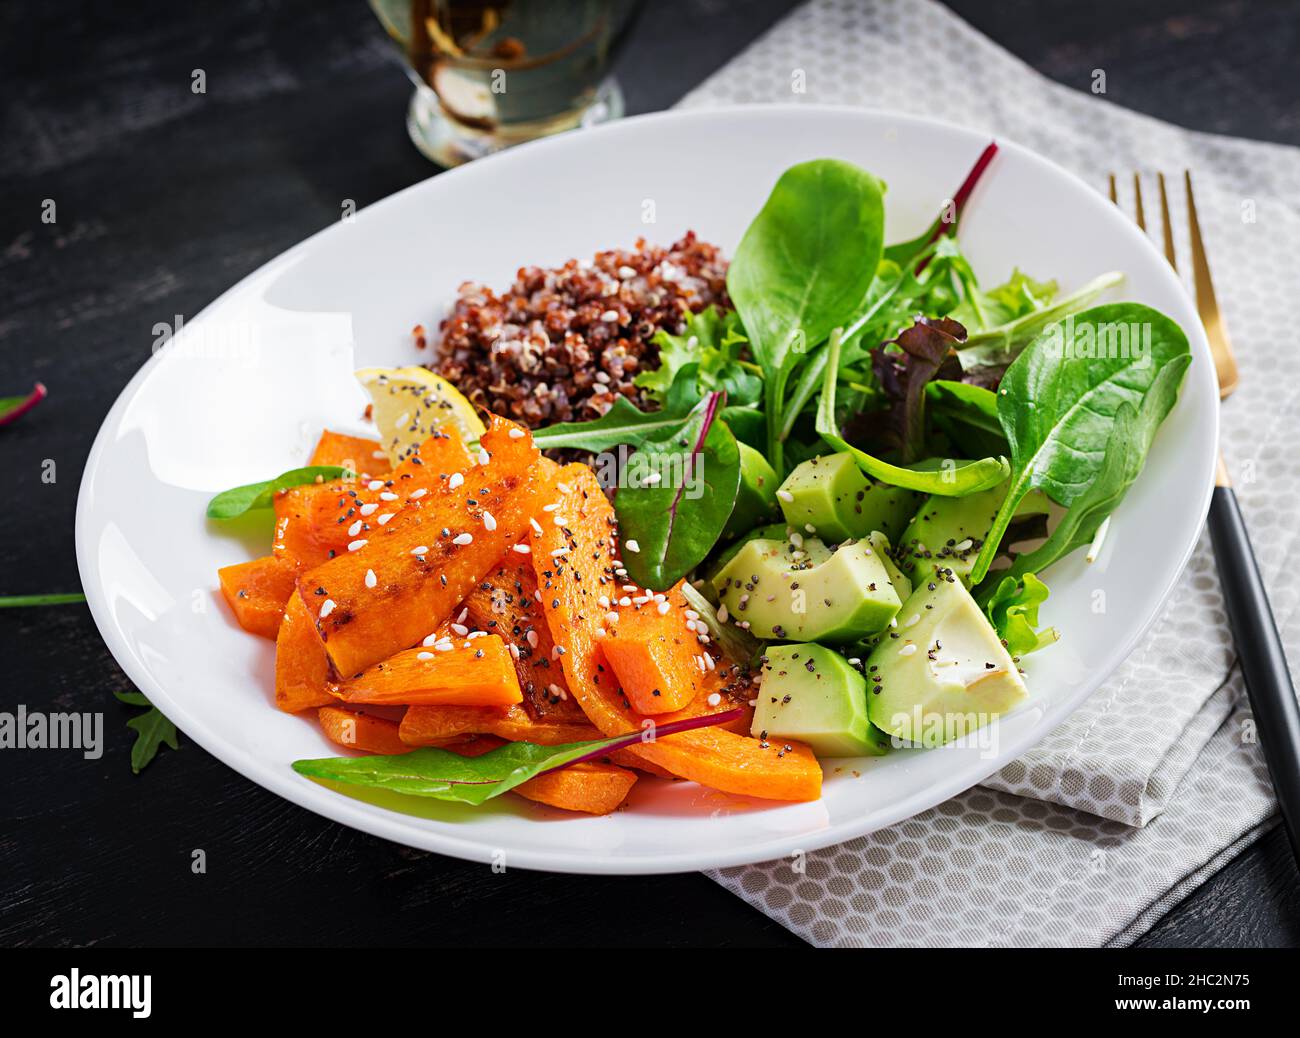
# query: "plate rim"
[397,827]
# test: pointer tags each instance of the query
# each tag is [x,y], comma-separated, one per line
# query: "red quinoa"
[543,352]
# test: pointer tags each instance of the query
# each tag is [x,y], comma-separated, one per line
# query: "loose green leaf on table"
[238,500]
[152,729]
[443,775]
[1080,413]
[20,601]
[14,407]
[676,521]
[947,479]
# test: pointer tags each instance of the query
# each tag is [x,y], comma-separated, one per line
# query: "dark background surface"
[164,200]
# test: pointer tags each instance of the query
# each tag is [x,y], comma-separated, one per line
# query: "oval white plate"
[243,392]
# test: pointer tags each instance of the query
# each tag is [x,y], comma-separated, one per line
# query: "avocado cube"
[810,693]
[802,590]
[942,672]
[831,494]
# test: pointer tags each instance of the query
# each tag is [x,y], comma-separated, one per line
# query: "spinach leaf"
[624,424]
[677,519]
[1013,611]
[235,502]
[443,775]
[1080,407]
[803,267]
[946,478]
[152,729]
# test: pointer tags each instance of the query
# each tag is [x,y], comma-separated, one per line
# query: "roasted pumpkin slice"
[355,453]
[571,583]
[383,596]
[594,788]
[257,592]
[452,672]
[301,666]
[505,603]
[656,652]
[320,521]
[360,731]
[438,725]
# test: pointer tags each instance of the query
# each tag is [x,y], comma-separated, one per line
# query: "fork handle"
[1263,660]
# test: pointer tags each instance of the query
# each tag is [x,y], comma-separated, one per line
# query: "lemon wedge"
[410,403]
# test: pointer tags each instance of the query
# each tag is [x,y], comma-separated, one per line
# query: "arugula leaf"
[238,500]
[803,267]
[624,424]
[152,730]
[1013,611]
[945,478]
[713,342]
[1080,417]
[19,601]
[14,407]
[676,521]
[443,775]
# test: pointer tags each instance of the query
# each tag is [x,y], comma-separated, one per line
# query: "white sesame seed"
[625,601]
[326,608]
[523,549]
[559,520]
[690,626]
[375,484]
[369,509]
[722,613]
[631,545]
[663,608]
[456,480]
[463,614]
[417,494]
[603,601]
[531,637]
[785,496]
[477,634]
[691,614]
[537,527]
[431,639]
[601,633]
[626,272]
[460,629]
[612,617]
[383,519]
[810,528]
[378,454]
[712,666]
[489,521]
[424,655]
[609,315]
[551,507]
[443,645]
[907,650]
[854,661]
[558,552]
[514,650]
[796,539]
[517,434]
[652,479]
[483,456]
[354,529]
[421,549]
[463,538]
[387,495]
[371,579]
[714,699]
[361,542]
[963,545]
[403,418]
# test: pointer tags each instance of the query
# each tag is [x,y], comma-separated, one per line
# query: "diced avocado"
[811,694]
[942,672]
[948,532]
[801,590]
[756,499]
[880,543]
[773,532]
[831,494]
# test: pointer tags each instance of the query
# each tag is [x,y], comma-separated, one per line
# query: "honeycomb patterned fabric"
[1157,781]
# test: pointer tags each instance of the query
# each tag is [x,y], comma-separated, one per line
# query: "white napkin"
[1156,781]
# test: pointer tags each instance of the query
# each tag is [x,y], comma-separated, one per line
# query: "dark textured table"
[165,198]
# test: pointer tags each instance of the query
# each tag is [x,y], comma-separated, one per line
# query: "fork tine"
[1207,305]
[1140,214]
[1114,195]
[1170,255]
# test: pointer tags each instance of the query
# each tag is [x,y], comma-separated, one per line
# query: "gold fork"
[1259,648]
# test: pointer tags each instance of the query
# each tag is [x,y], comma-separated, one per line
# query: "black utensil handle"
[1263,661]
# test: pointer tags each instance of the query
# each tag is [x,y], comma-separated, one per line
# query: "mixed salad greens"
[829,530]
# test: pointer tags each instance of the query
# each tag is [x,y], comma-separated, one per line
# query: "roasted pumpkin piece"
[437,725]
[596,789]
[360,731]
[257,592]
[454,672]
[319,521]
[410,574]
[356,453]
[302,670]
[657,659]
[571,581]
[505,603]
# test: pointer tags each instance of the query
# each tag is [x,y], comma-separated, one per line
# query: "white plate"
[244,391]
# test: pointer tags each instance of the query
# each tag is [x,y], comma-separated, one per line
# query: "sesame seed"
[523,549]
[483,456]
[460,629]
[559,520]
[431,639]
[354,529]
[375,484]
[369,509]
[785,496]
[625,601]
[907,650]
[489,521]
[326,608]
[558,552]
[443,645]
[663,608]
[517,434]
[383,519]
[714,699]
[361,542]
[612,617]
[632,546]
[456,480]
[463,538]
[531,637]
[691,614]
[421,549]
[537,527]
[514,650]
[417,494]
[722,613]
[371,579]
[424,655]
[387,495]
[551,507]
[652,479]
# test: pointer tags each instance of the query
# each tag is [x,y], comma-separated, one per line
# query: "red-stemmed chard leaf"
[946,222]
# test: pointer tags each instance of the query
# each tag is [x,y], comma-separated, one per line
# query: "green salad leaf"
[238,500]
[1012,610]
[946,478]
[714,342]
[968,414]
[58,598]
[676,520]
[152,730]
[625,424]
[443,775]
[1080,408]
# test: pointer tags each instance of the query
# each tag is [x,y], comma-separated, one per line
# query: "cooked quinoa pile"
[560,344]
